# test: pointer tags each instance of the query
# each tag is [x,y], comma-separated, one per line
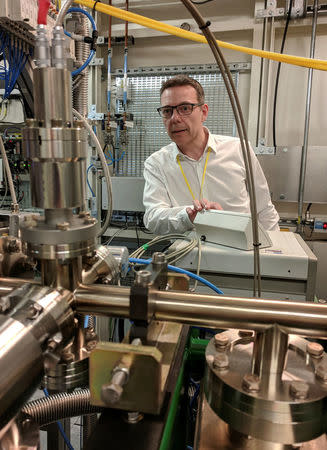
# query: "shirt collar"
[210,143]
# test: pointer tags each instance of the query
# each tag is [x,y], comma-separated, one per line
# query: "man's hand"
[200,206]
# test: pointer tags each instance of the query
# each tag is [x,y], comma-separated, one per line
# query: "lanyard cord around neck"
[203,175]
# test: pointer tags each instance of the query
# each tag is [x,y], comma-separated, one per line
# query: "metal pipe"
[62,13]
[307,119]
[306,319]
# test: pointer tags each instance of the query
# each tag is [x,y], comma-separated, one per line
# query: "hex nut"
[221,340]
[299,389]
[221,362]
[251,382]
[321,372]
[63,226]
[314,349]
[111,393]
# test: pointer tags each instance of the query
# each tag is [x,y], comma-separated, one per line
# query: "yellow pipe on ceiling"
[170,29]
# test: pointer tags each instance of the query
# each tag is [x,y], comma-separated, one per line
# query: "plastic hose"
[92,52]
[183,271]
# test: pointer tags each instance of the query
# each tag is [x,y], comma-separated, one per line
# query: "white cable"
[8,172]
[62,13]
[6,191]
[104,167]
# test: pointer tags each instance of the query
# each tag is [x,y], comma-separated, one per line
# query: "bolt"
[210,359]
[270,13]
[4,304]
[111,392]
[251,383]
[158,258]
[282,196]
[299,389]
[281,11]
[134,417]
[314,349]
[143,278]
[221,362]
[62,226]
[90,220]
[54,341]
[245,333]
[34,311]
[90,334]
[91,345]
[68,357]
[321,371]
[221,341]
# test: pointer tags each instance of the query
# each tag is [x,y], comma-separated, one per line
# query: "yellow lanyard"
[203,175]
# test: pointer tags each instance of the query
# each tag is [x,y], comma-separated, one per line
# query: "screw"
[221,341]
[143,278]
[62,226]
[314,349]
[251,383]
[221,362]
[321,371]
[282,196]
[299,389]
[281,11]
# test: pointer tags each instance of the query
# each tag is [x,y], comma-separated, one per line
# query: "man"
[197,166]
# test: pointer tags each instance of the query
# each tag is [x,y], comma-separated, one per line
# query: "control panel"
[320,225]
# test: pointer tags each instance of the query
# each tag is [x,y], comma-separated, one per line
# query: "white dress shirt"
[166,195]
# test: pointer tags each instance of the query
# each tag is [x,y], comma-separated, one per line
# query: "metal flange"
[289,411]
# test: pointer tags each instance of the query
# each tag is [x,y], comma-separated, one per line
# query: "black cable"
[278,73]
[121,332]
[201,3]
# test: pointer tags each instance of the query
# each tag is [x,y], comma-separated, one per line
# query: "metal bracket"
[299,8]
[270,11]
[96,62]
[93,115]
[262,149]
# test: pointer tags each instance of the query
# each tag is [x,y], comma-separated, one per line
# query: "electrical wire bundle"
[13,57]
[174,255]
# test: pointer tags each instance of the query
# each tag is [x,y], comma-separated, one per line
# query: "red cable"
[43,12]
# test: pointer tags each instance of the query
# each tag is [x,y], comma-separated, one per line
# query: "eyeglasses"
[185,109]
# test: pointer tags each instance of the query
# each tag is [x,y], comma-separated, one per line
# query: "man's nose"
[175,115]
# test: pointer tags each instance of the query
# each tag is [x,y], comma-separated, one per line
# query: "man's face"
[184,130]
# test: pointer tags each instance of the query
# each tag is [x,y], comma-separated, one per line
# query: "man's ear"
[205,111]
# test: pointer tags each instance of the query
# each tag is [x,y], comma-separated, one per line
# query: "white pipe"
[8,172]
[104,167]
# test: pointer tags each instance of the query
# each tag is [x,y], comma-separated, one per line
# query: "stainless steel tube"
[24,331]
[307,118]
[306,319]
